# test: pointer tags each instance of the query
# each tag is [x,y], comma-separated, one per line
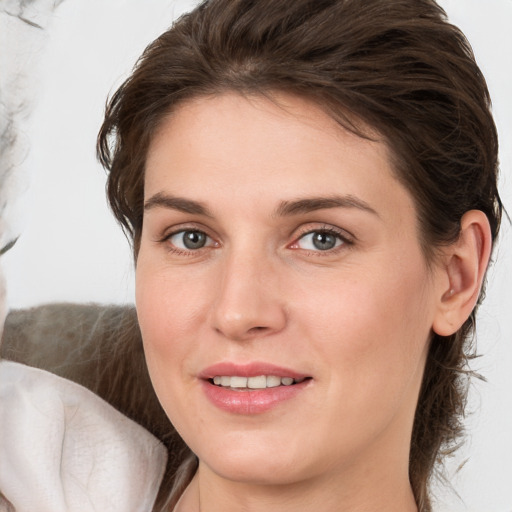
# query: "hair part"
[397,67]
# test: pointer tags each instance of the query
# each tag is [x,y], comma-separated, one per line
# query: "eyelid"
[169,231]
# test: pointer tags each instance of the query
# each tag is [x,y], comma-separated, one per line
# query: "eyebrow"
[310,204]
[161,200]
[285,208]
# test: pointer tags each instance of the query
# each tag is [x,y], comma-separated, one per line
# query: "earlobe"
[466,262]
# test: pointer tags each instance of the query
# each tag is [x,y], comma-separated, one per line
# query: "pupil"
[324,241]
[194,239]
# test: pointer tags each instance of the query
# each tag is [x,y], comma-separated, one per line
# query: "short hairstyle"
[398,67]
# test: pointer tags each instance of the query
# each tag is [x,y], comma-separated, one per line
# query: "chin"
[259,459]
[268,470]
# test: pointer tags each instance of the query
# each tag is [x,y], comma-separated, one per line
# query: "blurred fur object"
[99,347]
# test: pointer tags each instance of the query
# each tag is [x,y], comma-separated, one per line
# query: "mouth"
[253,388]
[241,383]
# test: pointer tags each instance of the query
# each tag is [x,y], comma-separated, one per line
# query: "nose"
[249,302]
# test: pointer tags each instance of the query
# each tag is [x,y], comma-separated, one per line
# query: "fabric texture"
[64,449]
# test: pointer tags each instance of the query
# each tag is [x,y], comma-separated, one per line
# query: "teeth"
[259,382]
[273,381]
[238,382]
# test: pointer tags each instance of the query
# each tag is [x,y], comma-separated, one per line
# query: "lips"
[249,370]
[251,388]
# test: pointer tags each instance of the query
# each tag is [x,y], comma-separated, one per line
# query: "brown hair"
[397,66]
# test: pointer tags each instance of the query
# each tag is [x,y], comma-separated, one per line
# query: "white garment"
[64,449]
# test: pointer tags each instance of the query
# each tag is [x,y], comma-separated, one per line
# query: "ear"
[463,272]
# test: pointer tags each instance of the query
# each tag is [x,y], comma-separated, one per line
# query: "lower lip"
[250,402]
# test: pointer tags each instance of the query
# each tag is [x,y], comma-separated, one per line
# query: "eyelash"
[340,235]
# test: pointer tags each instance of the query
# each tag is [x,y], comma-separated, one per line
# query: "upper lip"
[252,369]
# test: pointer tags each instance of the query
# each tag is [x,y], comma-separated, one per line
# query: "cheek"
[373,328]
[371,342]
[170,307]
[160,318]
[169,303]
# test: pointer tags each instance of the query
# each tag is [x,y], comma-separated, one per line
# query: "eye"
[190,240]
[319,240]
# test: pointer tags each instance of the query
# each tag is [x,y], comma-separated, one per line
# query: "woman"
[310,188]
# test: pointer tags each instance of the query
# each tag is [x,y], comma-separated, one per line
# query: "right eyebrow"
[162,200]
[311,204]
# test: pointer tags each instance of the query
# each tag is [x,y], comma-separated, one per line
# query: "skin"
[356,318]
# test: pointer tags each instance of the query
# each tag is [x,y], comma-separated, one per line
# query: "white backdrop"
[70,249]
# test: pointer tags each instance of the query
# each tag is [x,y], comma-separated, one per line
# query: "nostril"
[257,329]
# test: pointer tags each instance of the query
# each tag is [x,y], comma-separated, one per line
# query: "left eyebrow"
[311,204]
[181,204]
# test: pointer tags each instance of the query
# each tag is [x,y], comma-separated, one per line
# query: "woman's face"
[278,246]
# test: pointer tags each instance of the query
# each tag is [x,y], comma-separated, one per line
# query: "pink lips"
[249,370]
[249,401]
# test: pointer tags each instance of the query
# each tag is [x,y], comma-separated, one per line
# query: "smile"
[236,382]
[252,388]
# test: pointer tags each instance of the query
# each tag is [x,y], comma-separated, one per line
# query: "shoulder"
[64,448]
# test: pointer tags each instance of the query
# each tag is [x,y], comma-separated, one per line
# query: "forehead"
[229,146]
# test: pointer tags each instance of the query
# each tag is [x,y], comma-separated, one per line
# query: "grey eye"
[189,240]
[319,241]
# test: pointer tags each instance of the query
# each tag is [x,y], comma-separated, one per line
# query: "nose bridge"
[248,302]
